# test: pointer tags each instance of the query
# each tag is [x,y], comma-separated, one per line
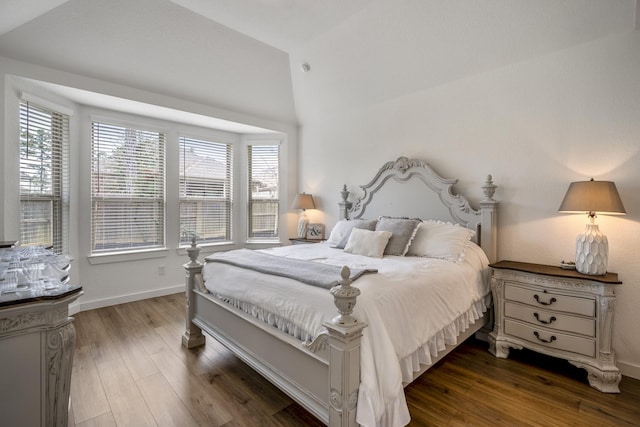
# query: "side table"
[561,313]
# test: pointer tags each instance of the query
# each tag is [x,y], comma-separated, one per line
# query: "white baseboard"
[629,369]
[81,305]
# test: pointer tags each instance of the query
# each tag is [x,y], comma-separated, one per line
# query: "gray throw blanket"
[309,272]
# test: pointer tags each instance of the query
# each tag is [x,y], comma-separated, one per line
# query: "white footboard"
[324,384]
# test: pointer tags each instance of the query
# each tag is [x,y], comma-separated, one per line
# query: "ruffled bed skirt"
[285,325]
[446,336]
[408,365]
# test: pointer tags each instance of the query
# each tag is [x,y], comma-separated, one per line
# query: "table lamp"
[592,247]
[303,201]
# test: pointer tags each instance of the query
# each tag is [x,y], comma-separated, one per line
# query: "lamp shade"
[592,196]
[303,201]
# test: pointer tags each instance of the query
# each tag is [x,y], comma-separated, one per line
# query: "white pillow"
[341,231]
[338,232]
[368,243]
[437,239]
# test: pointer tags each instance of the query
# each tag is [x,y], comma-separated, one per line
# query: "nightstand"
[561,313]
[303,241]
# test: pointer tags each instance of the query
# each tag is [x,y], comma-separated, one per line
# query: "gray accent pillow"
[362,224]
[403,231]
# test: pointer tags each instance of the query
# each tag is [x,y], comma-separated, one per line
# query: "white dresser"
[37,337]
[557,312]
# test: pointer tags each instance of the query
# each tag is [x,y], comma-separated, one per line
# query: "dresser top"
[28,294]
[552,270]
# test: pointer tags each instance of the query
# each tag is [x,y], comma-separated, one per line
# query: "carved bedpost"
[489,222]
[344,332]
[193,335]
[344,204]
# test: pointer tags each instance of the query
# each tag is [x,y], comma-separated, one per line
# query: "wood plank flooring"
[131,370]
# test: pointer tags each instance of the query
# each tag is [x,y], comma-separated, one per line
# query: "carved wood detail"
[340,403]
[32,319]
[60,348]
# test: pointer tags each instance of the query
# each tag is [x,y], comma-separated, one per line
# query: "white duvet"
[413,307]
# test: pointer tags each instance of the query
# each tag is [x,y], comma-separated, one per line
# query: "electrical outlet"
[161,270]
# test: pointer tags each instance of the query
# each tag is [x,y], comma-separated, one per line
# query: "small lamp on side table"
[303,201]
[592,247]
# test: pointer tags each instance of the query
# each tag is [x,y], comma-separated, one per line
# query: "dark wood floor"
[130,370]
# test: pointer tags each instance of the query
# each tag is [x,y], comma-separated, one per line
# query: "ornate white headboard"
[451,207]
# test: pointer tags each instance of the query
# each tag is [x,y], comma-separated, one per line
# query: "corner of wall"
[637,20]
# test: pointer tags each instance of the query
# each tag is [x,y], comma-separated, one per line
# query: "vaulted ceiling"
[283,24]
[360,51]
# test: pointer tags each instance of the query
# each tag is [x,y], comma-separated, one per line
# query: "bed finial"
[193,251]
[344,204]
[344,297]
[344,193]
[489,189]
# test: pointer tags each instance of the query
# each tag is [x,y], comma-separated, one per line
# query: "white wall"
[536,125]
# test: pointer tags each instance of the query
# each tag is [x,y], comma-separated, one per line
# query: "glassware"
[34,267]
[8,281]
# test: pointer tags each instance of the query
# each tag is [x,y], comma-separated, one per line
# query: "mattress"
[413,306]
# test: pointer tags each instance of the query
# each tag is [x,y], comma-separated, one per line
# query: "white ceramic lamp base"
[302,226]
[592,251]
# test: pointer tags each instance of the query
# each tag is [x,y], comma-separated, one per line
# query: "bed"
[347,363]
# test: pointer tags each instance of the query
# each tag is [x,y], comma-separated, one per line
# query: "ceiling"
[283,24]
[271,26]
[354,48]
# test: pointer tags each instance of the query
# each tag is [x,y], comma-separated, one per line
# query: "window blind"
[206,193]
[127,188]
[44,177]
[264,203]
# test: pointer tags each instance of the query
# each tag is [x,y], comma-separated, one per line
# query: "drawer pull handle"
[551,301]
[550,340]
[546,322]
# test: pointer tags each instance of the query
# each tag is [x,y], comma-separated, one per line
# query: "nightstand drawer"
[550,319]
[551,339]
[549,300]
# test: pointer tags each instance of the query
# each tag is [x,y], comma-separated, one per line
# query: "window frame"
[59,182]
[123,253]
[231,191]
[257,142]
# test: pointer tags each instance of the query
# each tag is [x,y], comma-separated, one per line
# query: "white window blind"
[206,193]
[263,206]
[44,177]
[127,188]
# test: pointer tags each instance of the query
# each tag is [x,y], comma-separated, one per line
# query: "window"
[264,171]
[44,177]
[205,191]
[127,188]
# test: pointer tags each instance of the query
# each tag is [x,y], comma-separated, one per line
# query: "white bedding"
[413,307]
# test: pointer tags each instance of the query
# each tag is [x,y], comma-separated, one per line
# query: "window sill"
[206,249]
[262,244]
[127,256]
